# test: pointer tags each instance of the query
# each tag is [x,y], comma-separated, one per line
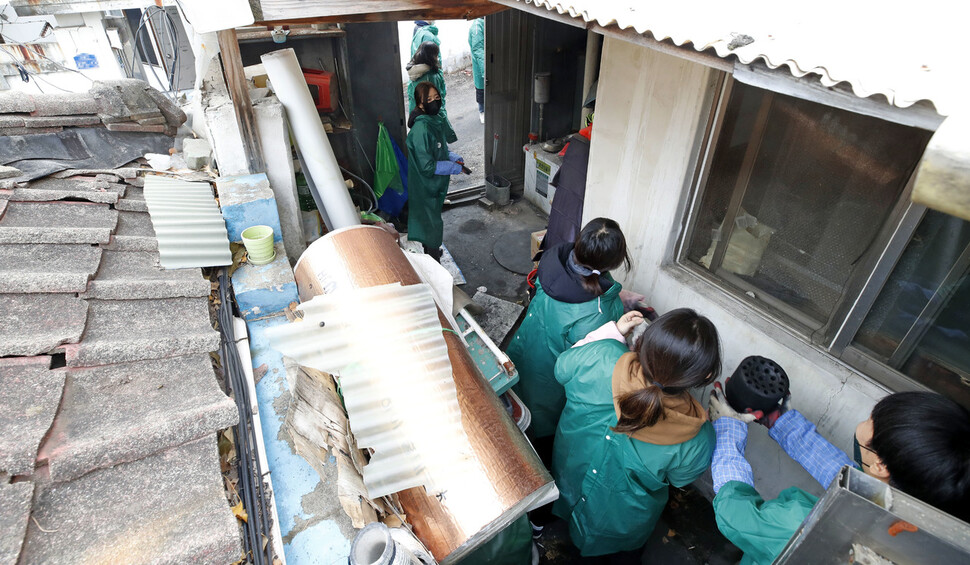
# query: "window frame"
[874,269]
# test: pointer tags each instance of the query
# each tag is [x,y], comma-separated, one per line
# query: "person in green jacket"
[476,40]
[424,31]
[918,442]
[424,67]
[429,166]
[630,428]
[575,294]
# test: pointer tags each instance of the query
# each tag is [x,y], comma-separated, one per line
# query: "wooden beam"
[232,66]
[278,12]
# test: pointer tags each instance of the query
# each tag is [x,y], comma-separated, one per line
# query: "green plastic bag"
[387,174]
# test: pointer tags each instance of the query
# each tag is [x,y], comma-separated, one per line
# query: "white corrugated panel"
[906,52]
[386,346]
[188,224]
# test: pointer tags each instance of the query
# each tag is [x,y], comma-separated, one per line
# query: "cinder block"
[247,200]
[265,290]
[197,153]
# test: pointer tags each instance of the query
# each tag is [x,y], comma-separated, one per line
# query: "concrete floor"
[470,234]
[463,114]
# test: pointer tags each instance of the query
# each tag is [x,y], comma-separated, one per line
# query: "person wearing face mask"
[918,442]
[425,66]
[430,165]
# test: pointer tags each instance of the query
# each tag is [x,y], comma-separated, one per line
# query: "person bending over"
[630,428]
[918,442]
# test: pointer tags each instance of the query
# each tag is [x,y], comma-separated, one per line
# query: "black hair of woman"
[679,351]
[422,94]
[426,54]
[600,247]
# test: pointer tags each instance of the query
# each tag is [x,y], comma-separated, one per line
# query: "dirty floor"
[686,533]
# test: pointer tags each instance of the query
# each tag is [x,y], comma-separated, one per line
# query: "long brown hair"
[600,246]
[677,352]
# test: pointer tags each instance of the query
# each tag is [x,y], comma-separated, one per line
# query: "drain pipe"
[246,360]
[375,546]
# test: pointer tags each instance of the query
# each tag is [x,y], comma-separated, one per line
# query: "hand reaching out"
[628,321]
[718,407]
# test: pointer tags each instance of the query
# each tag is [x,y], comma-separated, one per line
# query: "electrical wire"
[146,18]
[41,55]
[248,466]
[373,195]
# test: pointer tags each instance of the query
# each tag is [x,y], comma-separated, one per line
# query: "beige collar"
[682,418]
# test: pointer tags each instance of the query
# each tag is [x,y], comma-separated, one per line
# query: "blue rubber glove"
[455,158]
[447,168]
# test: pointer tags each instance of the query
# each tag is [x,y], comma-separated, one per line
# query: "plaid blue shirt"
[798,437]
[728,463]
[793,432]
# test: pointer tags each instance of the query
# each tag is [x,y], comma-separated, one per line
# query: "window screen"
[796,195]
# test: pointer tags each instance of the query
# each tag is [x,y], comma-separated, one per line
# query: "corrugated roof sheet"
[402,401]
[188,223]
[906,55]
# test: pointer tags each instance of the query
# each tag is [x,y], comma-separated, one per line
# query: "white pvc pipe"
[284,72]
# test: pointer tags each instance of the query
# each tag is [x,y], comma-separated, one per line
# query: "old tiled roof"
[109,405]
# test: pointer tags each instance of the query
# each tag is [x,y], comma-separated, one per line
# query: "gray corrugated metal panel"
[508,66]
[905,55]
[188,224]
[402,403]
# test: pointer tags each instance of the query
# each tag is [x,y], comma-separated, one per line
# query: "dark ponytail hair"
[421,94]
[427,53]
[600,246]
[679,351]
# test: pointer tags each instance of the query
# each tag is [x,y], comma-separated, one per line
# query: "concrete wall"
[455,51]
[75,34]
[650,113]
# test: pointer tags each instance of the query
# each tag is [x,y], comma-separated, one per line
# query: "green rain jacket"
[476,40]
[438,80]
[760,528]
[549,328]
[425,33]
[426,190]
[612,488]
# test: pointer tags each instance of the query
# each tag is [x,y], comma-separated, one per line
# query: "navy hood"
[562,283]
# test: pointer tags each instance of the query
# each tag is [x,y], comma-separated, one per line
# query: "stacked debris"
[110,402]
[119,105]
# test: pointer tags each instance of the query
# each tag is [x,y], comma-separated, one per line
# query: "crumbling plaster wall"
[650,113]
[211,116]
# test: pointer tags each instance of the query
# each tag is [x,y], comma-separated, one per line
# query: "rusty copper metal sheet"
[507,476]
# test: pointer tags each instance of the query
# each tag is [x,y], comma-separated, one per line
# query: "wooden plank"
[232,66]
[276,12]
[51,7]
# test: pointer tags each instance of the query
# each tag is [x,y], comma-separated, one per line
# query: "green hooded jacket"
[476,40]
[438,80]
[425,33]
[612,488]
[760,528]
[426,190]
[549,328]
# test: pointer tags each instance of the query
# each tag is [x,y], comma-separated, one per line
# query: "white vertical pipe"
[284,72]
[591,66]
